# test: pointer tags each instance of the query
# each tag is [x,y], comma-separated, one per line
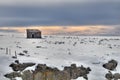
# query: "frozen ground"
[60,51]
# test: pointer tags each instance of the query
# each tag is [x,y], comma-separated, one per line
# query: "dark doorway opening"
[33,36]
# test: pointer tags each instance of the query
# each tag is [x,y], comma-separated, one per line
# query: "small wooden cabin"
[33,33]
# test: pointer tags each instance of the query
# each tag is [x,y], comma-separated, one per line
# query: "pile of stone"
[111,65]
[43,72]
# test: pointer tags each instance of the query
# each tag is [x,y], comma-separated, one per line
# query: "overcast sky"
[59,12]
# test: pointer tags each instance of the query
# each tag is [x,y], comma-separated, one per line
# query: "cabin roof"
[33,30]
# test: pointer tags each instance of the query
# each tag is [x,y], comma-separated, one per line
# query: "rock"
[76,72]
[51,75]
[25,51]
[38,47]
[62,75]
[109,76]
[14,57]
[27,75]
[116,76]
[111,65]
[17,61]
[41,67]
[20,67]
[21,54]
[12,75]
[43,72]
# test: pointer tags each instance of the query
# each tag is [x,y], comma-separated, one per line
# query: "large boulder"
[111,65]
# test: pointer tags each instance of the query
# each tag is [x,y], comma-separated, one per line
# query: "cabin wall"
[31,34]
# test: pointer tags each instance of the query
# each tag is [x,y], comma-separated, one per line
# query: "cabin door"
[33,36]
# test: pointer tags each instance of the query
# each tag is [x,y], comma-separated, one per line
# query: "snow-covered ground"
[59,51]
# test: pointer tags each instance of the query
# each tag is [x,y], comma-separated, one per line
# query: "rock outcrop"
[43,72]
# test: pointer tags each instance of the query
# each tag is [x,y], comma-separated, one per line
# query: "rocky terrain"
[19,56]
[43,72]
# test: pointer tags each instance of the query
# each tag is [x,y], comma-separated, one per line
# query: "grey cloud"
[49,2]
[96,13]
